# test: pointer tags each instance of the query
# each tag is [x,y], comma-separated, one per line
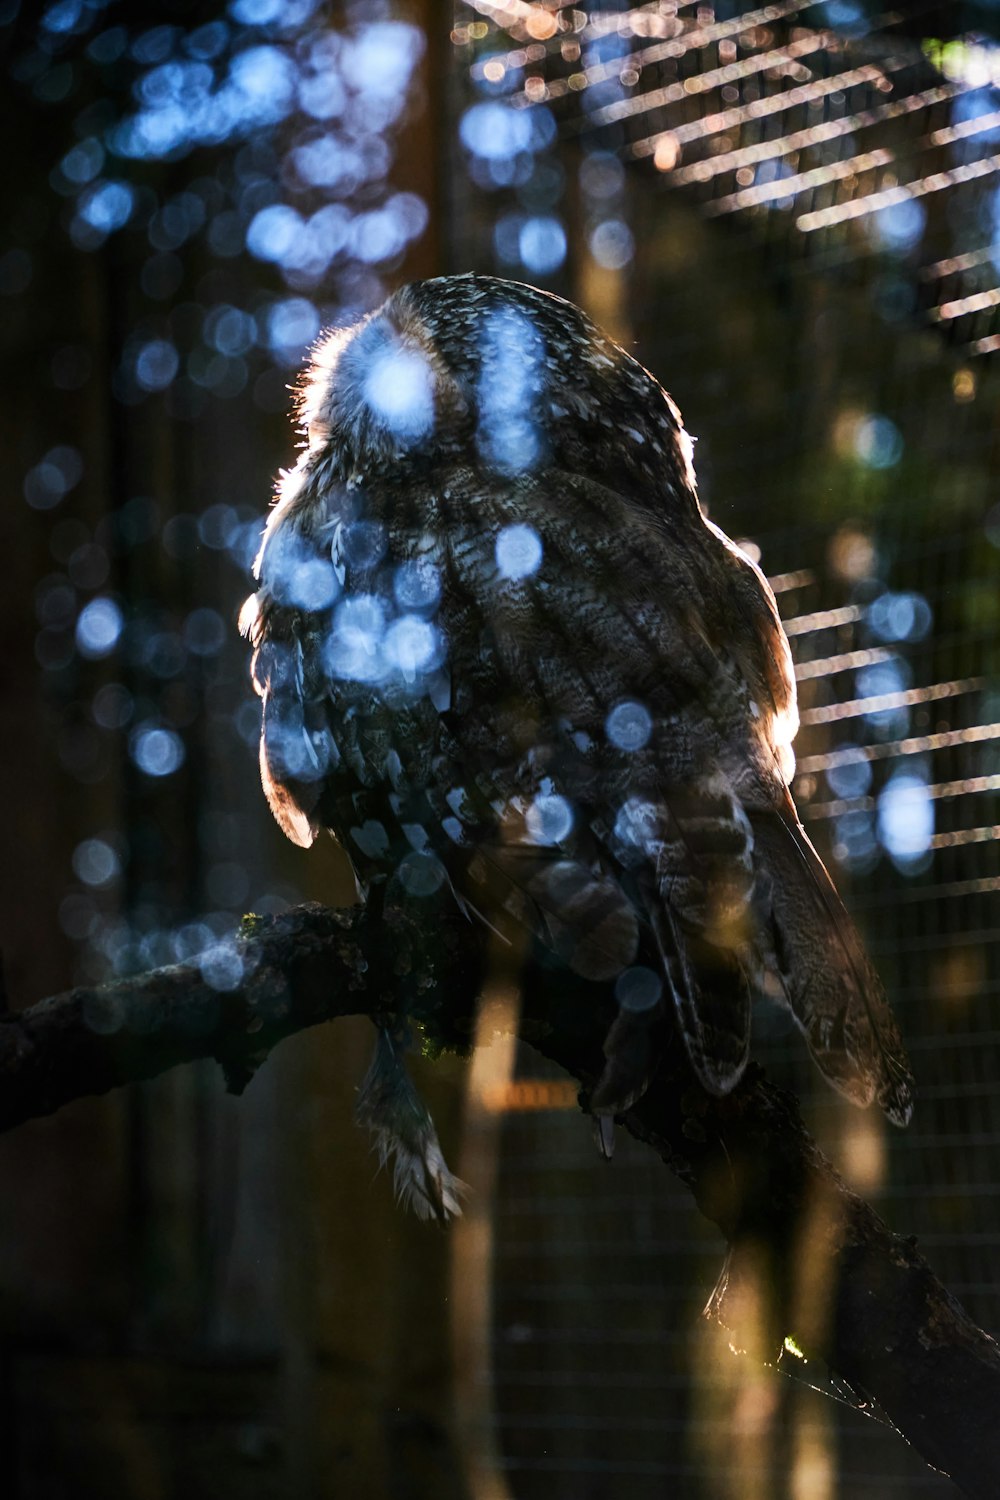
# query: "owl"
[503,655]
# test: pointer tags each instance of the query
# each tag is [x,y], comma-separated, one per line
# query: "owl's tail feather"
[712,997]
[710,992]
[831,987]
[402,1130]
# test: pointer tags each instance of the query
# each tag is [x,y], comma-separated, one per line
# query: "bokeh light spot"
[399,388]
[629,725]
[58,472]
[221,966]
[906,819]
[851,773]
[273,231]
[156,751]
[638,989]
[549,819]
[156,364]
[204,632]
[107,206]
[291,325]
[95,863]
[518,551]
[417,585]
[612,244]
[99,628]
[83,162]
[878,442]
[899,617]
[542,244]
[112,706]
[421,873]
[899,226]
[494,130]
[412,644]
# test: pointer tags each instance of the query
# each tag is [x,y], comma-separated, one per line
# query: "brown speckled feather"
[499,646]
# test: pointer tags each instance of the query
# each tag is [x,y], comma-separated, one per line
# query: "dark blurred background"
[791,213]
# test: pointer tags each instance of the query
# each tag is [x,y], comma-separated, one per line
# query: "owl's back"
[500,648]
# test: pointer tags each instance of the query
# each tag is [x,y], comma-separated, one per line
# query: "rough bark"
[884,1325]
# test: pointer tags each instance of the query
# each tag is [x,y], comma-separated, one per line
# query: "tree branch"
[808,1259]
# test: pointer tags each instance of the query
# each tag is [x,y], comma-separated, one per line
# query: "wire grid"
[830,198]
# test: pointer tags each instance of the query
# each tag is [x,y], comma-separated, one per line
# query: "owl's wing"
[695,828]
[829,982]
[593,683]
[630,678]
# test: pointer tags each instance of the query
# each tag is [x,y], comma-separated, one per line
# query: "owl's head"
[497,373]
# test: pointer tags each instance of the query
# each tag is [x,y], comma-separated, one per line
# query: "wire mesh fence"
[792,210]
